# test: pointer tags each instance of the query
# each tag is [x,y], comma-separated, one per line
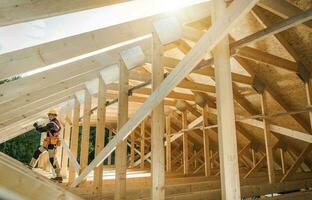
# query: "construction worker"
[50,143]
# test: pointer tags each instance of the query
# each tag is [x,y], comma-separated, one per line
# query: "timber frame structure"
[210,102]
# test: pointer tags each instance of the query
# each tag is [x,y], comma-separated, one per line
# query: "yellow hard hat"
[52,112]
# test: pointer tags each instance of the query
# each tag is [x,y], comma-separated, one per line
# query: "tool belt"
[51,140]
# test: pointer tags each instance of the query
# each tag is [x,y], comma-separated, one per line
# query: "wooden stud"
[132,152]
[157,126]
[84,153]
[142,145]
[230,185]
[100,134]
[110,136]
[268,137]
[282,160]
[185,144]
[74,140]
[206,141]
[66,137]
[121,148]
[168,140]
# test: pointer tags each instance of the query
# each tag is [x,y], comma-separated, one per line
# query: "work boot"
[58,179]
[32,163]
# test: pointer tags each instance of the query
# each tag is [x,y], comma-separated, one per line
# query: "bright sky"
[19,36]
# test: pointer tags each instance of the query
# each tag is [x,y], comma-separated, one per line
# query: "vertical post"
[132,153]
[157,127]
[74,140]
[110,136]
[168,147]
[253,157]
[85,131]
[185,144]
[307,86]
[206,141]
[282,160]
[121,149]
[66,137]
[268,138]
[142,145]
[100,134]
[230,185]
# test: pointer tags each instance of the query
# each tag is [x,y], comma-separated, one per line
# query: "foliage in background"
[21,147]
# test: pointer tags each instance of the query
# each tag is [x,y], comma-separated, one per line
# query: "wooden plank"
[218,31]
[121,148]
[100,134]
[66,137]
[185,144]
[206,141]
[268,137]
[168,142]
[74,140]
[283,9]
[230,185]
[18,11]
[157,126]
[31,58]
[85,135]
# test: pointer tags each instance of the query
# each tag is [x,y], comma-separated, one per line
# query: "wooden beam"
[85,135]
[185,144]
[274,29]
[168,142]
[230,184]
[110,136]
[132,149]
[66,137]
[157,126]
[74,140]
[207,158]
[142,145]
[219,30]
[283,9]
[100,134]
[121,148]
[264,57]
[268,137]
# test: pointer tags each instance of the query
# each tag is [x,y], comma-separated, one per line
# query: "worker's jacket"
[53,128]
